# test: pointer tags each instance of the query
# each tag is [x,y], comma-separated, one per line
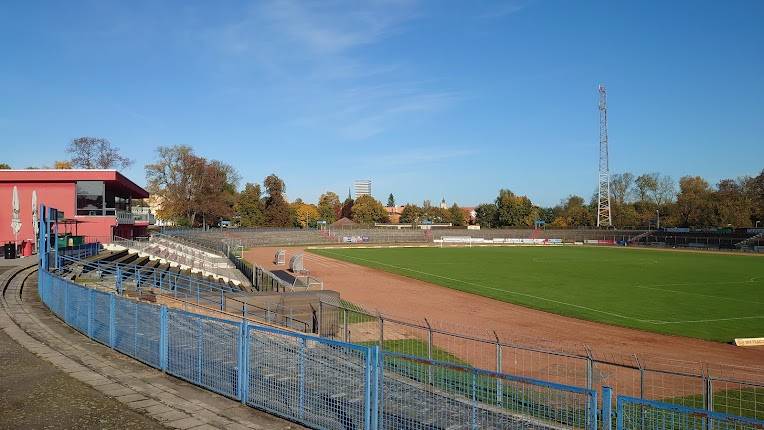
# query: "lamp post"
[658,224]
[757,224]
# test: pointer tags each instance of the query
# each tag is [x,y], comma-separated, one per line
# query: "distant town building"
[362,187]
[394,213]
[443,204]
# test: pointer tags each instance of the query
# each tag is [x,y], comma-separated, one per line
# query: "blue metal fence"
[421,393]
[640,414]
[260,366]
[319,382]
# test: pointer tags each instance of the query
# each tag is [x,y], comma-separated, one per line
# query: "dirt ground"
[413,300]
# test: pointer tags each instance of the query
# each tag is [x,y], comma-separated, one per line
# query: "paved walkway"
[72,382]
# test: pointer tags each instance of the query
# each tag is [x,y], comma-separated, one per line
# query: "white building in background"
[362,187]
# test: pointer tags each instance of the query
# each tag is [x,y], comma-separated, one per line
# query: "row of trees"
[196,191]
[255,210]
[427,213]
[638,201]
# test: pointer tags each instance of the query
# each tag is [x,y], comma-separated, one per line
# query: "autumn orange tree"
[192,190]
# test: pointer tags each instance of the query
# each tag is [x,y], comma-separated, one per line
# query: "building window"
[90,198]
[115,202]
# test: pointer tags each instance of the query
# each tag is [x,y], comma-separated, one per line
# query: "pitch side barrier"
[469,241]
[638,414]
[712,387]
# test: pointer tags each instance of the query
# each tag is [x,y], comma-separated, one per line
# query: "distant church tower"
[443,204]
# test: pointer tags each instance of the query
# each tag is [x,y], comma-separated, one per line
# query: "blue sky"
[428,99]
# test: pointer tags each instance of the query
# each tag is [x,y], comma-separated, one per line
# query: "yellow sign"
[750,341]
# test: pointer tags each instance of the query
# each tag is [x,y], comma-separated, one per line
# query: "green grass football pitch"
[704,295]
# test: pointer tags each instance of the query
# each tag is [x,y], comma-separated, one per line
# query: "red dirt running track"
[410,299]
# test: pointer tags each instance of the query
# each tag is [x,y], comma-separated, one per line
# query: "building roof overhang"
[73,175]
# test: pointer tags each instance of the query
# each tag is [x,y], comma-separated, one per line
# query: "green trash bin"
[77,240]
[63,241]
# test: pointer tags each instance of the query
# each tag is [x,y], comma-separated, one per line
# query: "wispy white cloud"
[315,55]
[495,10]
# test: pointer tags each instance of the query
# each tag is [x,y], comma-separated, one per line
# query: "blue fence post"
[619,413]
[374,400]
[66,302]
[301,378]
[118,284]
[593,410]
[163,344]
[474,399]
[135,330]
[244,362]
[199,346]
[222,300]
[91,311]
[368,392]
[112,320]
[607,408]
[55,246]
[380,409]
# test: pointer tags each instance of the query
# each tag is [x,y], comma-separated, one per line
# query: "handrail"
[175,283]
[105,266]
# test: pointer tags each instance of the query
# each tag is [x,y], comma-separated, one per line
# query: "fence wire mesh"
[725,388]
[423,393]
[640,414]
[323,383]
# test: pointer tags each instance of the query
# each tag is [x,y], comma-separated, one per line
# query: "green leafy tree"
[574,213]
[4,166]
[435,214]
[456,215]
[277,211]
[391,200]
[329,207]
[410,214]
[249,206]
[367,210]
[486,215]
[514,210]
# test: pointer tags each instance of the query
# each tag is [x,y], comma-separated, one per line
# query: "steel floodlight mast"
[603,190]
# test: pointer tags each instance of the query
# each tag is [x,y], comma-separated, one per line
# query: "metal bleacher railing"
[200,292]
[173,249]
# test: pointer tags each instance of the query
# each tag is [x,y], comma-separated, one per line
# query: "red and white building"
[96,204]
